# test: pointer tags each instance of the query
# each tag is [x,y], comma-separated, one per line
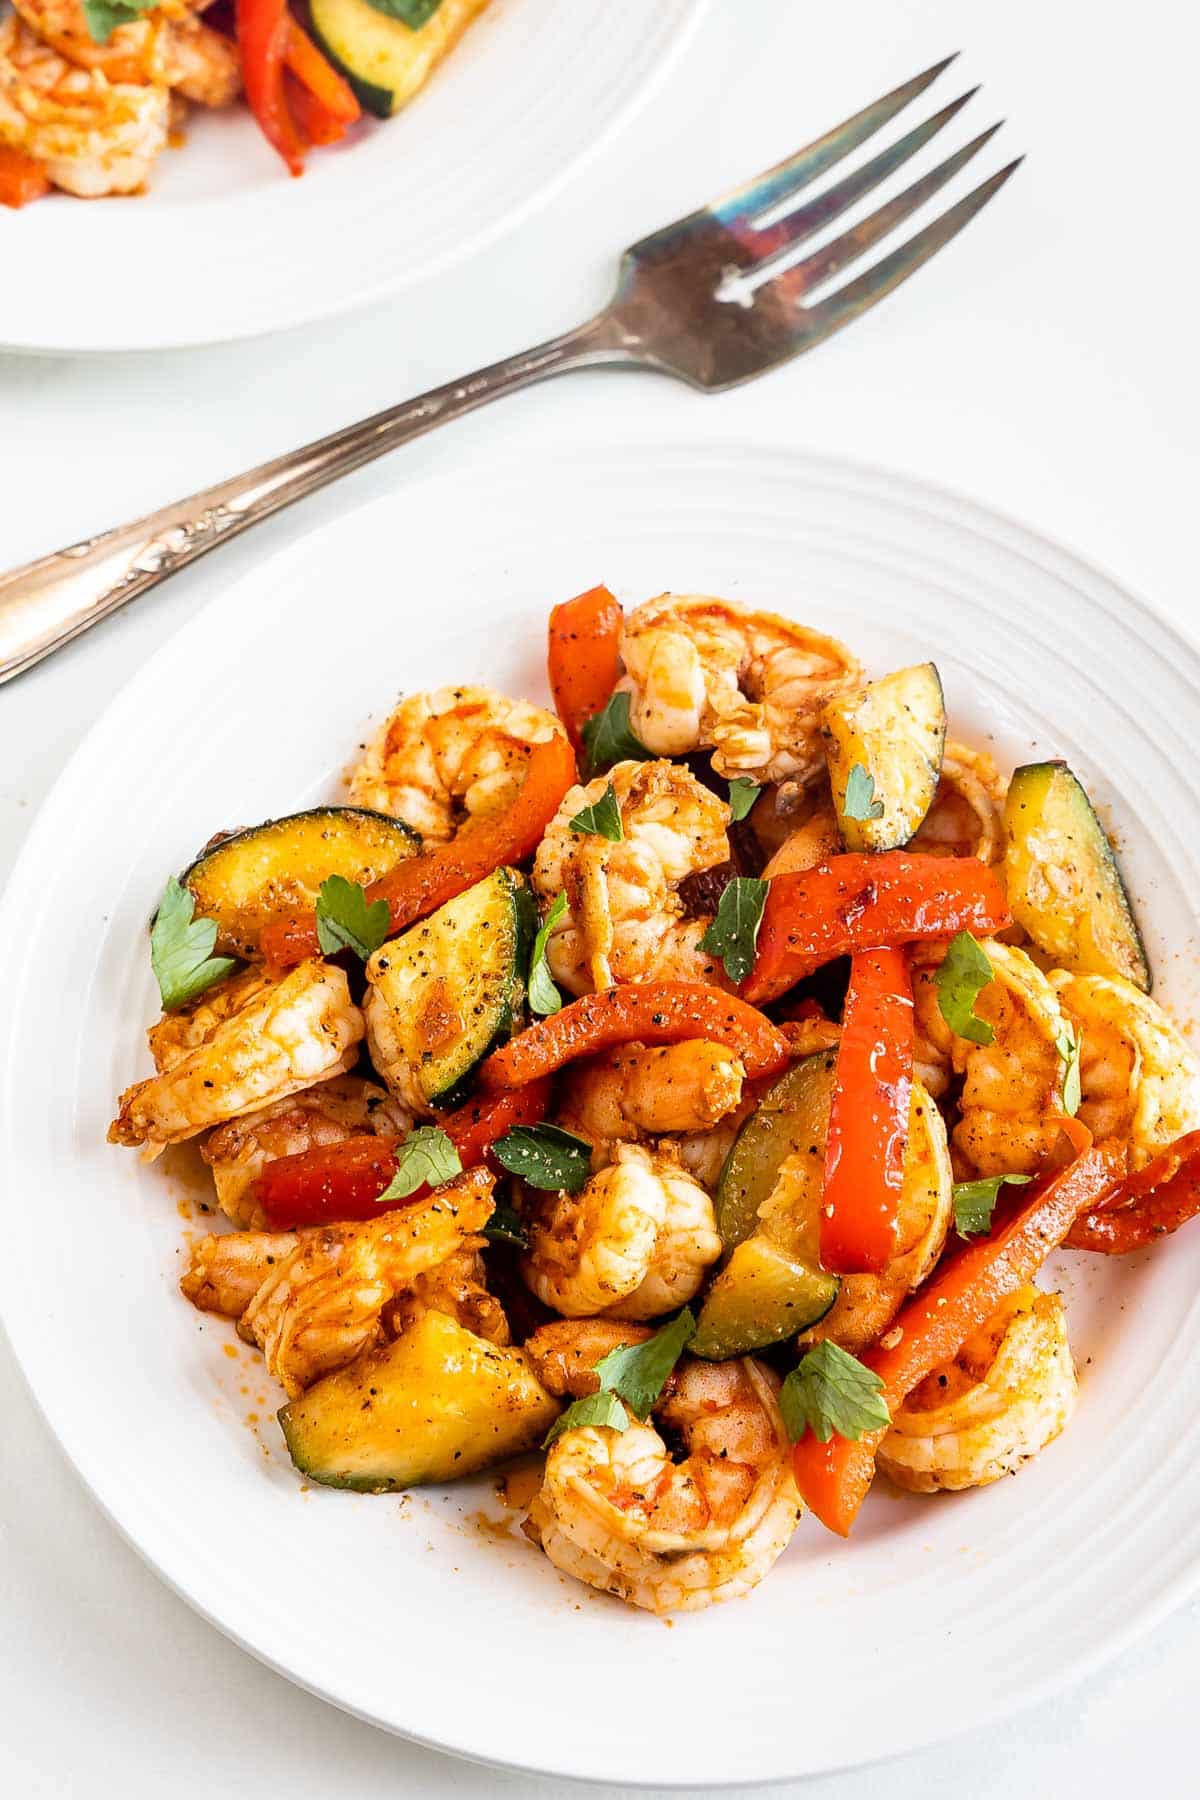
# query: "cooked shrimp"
[168,45]
[812,842]
[706,674]
[967,815]
[564,1352]
[253,1040]
[458,1288]
[1011,1086]
[1005,1396]
[615,1511]
[625,918]
[329,1113]
[320,1293]
[637,1092]
[635,1242]
[92,136]
[446,757]
[1139,1078]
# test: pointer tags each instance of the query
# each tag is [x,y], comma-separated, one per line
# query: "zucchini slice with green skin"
[251,877]
[791,1118]
[450,989]
[384,60]
[895,731]
[762,1295]
[436,1403]
[1064,885]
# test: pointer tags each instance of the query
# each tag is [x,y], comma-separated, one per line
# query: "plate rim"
[490,232]
[930,499]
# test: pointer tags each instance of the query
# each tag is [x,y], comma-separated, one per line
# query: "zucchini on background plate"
[388,50]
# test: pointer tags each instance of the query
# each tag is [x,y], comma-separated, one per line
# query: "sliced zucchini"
[436,1403]
[446,992]
[246,880]
[792,1117]
[1064,885]
[384,60]
[762,1294]
[894,730]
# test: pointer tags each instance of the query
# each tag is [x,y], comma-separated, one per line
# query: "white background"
[1045,364]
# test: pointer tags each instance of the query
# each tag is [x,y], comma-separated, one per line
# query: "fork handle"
[46,603]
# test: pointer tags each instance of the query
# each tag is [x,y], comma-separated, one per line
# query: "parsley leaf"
[346,922]
[860,801]
[544,997]
[734,932]
[545,1156]
[103,16]
[965,971]
[601,819]
[427,1157]
[504,1227]
[829,1390]
[1068,1045]
[638,1372]
[608,737]
[593,1409]
[742,794]
[635,1374]
[975,1202]
[181,949]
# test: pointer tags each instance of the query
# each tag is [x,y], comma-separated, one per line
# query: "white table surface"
[1046,365]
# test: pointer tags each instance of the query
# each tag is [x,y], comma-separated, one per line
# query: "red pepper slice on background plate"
[335,1182]
[415,888]
[868,1116]
[262,35]
[962,1295]
[658,1012]
[21,178]
[1146,1206]
[583,658]
[860,902]
[331,91]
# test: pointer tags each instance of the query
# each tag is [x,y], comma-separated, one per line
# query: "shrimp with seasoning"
[166,46]
[967,814]
[640,1091]
[92,136]
[316,1297]
[625,918]
[635,1242]
[1139,1078]
[445,758]
[616,1511]
[704,674]
[458,1288]
[1012,1087]
[251,1041]
[1008,1393]
[331,1112]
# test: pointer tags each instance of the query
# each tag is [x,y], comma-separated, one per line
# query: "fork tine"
[835,256]
[792,229]
[796,172]
[815,324]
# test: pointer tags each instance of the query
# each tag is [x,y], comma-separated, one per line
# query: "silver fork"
[714,299]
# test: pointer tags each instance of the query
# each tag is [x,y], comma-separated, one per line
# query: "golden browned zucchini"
[893,731]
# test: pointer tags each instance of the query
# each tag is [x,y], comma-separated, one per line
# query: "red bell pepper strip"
[415,888]
[659,1012]
[262,35]
[334,1182]
[929,1329]
[856,902]
[21,178]
[318,75]
[316,125]
[1149,1205]
[868,1116]
[584,659]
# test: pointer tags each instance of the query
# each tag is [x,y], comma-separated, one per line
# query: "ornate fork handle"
[51,600]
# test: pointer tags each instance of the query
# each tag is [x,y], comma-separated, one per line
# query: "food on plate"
[686,1088]
[93,91]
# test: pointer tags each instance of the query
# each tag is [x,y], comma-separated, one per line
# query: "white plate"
[939,1614]
[227,245]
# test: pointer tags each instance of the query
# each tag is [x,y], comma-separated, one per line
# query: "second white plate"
[226,245]
[938,1614]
